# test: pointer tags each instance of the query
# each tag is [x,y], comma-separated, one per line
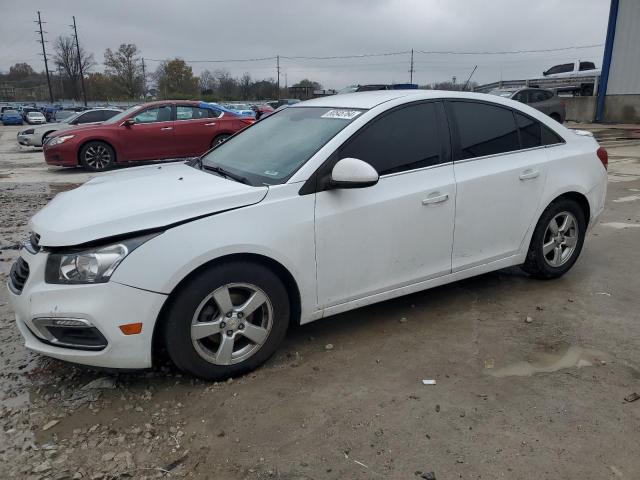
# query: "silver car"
[35,136]
[546,101]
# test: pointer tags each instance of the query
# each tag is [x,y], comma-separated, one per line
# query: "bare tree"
[207,82]
[124,66]
[66,59]
[226,84]
[245,86]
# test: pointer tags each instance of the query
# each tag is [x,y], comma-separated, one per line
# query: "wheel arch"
[280,270]
[580,199]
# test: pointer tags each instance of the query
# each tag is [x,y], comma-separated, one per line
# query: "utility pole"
[75,34]
[468,79]
[144,80]
[44,55]
[411,69]
[278,70]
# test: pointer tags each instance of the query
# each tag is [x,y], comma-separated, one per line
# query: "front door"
[399,231]
[150,137]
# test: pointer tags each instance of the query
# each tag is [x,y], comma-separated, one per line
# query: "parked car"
[62,115]
[154,131]
[35,137]
[240,109]
[262,109]
[547,101]
[35,118]
[576,70]
[275,104]
[352,200]
[11,117]
[26,110]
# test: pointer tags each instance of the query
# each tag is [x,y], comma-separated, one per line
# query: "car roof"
[368,100]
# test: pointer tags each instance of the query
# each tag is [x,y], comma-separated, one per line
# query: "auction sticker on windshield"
[342,114]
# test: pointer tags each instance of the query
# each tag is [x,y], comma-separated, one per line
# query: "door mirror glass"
[353,173]
[129,122]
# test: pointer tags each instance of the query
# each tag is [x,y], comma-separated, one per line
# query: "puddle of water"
[630,198]
[620,225]
[548,362]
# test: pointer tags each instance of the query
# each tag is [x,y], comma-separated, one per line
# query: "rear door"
[399,231]
[150,137]
[500,168]
[194,129]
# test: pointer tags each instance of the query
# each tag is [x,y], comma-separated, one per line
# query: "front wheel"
[97,156]
[226,320]
[557,240]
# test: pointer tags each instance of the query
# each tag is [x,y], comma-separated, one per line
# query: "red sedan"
[154,131]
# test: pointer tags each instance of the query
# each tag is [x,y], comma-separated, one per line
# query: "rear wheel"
[219,139]
[226,320]
[97,156]
[557,240]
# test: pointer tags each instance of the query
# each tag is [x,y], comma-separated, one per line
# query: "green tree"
[124,66]
[176,80]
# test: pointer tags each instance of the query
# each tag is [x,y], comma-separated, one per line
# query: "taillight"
[603,156]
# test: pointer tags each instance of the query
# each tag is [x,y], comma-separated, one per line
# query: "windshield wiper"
[226,173]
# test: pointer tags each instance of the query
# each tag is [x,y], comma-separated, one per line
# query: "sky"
[242,29]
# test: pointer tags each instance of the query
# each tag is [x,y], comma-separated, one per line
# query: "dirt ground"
[531,375]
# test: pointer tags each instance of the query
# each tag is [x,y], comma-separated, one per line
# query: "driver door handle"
[529,174]
[435,199]
[166,128]
[212,124]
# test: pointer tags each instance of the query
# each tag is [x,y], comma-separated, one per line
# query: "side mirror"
[129,122]
[353,173]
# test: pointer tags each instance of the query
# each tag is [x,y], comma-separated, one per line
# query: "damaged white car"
[320,208]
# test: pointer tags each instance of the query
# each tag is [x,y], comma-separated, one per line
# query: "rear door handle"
[166,128]
[435,198]
[529,174]
[212,124]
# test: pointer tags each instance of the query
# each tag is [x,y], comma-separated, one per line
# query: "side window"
[548,95]
[535,134]
[215,113]
[537,96]
[404,139]
[587,66]
[155,114]
[203,112]
[91,117]
[184,112]
[107,114]
[484,129]
[521,97]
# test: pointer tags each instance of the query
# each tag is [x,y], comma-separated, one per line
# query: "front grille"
[18,275]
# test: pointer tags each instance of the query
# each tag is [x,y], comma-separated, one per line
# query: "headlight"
[27,132]
[59,140]
[95,265]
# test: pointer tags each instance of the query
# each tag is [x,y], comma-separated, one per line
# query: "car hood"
[67,127]
[138,199]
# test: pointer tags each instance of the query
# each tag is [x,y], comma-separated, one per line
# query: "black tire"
[97,156]
[539,265]
[219,139]
[189,301]
[44,137]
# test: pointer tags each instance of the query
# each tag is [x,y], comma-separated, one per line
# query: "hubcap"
[231,323]
[97,156]
[560,239]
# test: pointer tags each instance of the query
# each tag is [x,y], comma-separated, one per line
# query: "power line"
[385,54]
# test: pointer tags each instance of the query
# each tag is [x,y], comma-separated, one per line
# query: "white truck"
[577,69]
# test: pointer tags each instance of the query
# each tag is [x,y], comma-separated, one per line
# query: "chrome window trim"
[430,167]
[501,154]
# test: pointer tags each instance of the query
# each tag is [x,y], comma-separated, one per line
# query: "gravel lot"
[531,375]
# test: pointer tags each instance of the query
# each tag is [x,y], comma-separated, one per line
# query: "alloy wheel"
[560,239]
[232,323]
[97,157]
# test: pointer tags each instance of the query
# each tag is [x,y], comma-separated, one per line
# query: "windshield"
[65,114]
[11,112]
[271,150]
[122,115]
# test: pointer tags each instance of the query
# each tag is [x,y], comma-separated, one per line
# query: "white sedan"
[35,118]
[323,207]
